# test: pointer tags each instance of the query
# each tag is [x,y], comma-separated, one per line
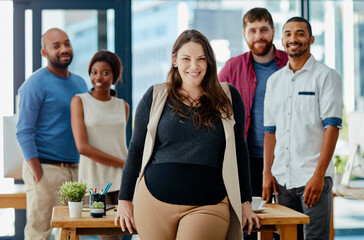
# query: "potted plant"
[337,177]
[97,209]
[340,162]
[73,192]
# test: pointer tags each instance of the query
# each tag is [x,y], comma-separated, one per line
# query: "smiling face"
[57,49]
[296,39]
[259,37]
[101,77]
[191,62]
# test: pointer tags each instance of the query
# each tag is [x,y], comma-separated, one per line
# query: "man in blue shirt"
[44,132]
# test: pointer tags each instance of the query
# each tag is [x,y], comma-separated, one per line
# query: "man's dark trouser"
[256,178]
[320,214]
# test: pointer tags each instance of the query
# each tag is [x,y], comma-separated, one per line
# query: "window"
[157,24]
[82,27]
[338,27]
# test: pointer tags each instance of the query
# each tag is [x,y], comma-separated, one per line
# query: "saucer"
[259,210]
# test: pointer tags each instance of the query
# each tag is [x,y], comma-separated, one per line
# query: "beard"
[261,51]
[298,54]
[55,61]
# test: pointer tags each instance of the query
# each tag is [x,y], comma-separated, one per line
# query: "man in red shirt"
[249,73]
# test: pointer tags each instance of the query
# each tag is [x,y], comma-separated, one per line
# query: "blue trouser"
[320,214]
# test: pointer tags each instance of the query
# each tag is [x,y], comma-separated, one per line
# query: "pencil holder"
[98,198]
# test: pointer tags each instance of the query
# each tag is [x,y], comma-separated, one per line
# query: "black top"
[186,164]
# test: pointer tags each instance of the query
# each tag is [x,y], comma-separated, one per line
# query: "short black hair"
[301,19]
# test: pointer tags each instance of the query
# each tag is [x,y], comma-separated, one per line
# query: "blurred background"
[142,33]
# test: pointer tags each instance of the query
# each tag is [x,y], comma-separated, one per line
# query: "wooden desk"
[276,217]
[352,191]
[72,228]
[349,192]
[13,196]
[283,219]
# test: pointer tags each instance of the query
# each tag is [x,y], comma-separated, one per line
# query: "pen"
[107,188]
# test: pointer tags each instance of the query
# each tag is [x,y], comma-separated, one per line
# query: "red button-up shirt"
[239,71]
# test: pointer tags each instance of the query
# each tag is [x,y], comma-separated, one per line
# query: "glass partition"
[326,18]
[338,27]
[88,30]
[156,25]
[358,24]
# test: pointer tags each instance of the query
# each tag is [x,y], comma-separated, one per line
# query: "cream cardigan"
[229,168]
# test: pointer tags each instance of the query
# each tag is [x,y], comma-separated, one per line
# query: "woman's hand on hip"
[249,218]
[125,215]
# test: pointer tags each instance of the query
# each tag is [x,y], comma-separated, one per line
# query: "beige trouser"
[42,197]
[156,220]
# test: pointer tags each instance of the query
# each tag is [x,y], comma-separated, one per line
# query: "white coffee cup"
[257,203]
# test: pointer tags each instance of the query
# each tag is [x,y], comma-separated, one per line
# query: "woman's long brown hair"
[214,102]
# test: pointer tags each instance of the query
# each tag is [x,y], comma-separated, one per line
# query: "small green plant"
[340,163]
[72,191]
[337,163]
[97,205]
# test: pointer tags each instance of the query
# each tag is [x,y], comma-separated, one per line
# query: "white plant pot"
[75,209]
[97,213]
[97,210]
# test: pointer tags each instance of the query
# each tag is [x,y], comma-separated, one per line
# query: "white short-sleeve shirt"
[297,108]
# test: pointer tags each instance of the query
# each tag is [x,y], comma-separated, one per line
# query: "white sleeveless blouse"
[105,123]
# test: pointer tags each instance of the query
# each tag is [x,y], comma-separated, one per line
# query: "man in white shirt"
[302,116]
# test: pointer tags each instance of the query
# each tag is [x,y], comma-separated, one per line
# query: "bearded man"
[249,72]
[44,132]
